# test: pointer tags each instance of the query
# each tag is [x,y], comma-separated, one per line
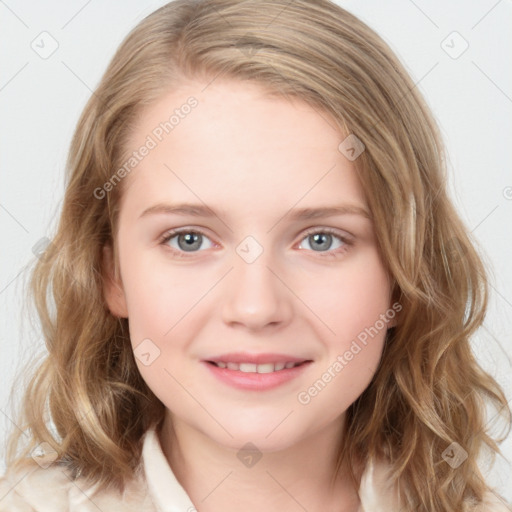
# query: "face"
[249,270]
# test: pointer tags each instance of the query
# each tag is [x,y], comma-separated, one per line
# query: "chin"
[246,440]
[268,434]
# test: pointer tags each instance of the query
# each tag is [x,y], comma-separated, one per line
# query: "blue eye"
[320,241]
[186,240]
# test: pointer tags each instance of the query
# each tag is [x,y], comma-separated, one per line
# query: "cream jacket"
[155,489]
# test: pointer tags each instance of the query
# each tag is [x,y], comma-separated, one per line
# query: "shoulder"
[33,488]
[379,494]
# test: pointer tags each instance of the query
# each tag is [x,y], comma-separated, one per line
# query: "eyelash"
[313,231]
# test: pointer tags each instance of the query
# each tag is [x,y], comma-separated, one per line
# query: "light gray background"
[41,98]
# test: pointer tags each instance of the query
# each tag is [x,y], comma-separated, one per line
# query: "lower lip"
[256,381]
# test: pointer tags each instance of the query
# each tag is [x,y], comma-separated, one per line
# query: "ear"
[113,291]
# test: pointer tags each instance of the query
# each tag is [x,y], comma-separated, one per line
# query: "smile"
[256,368]
[256,376]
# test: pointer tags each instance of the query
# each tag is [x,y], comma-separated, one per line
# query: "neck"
[294,478]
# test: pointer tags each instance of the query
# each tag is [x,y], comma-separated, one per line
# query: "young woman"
[259,296]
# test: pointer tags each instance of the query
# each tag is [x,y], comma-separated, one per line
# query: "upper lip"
[243,357]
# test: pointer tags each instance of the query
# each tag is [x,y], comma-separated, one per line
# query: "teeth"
[265,368]
[256,368]
[248,367]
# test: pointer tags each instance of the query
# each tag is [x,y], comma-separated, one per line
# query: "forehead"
[231,142]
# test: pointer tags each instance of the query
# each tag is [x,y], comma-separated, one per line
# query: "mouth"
[256,372]
[258,368]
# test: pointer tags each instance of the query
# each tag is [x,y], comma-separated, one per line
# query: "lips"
[256,372]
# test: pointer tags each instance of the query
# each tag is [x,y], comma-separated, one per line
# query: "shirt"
[155,488]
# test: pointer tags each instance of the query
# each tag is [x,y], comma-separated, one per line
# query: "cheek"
[163,305]
[158,297]
[350,299]
[355,304]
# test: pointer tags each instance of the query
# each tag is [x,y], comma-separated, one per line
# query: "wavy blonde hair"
[428,390]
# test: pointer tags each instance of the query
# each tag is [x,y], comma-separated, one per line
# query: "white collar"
[164,488]
[169,496]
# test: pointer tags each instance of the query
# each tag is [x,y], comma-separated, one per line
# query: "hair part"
[428,390]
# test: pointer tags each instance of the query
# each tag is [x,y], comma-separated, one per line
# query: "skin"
[251,158]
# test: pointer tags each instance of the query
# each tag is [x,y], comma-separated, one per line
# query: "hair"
[428,391]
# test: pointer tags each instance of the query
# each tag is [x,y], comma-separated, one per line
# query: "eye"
[319,240]
[185,240]
[322,241]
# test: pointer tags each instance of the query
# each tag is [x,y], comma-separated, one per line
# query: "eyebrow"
[295,214]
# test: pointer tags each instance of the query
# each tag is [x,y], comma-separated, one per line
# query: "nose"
[256,296]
